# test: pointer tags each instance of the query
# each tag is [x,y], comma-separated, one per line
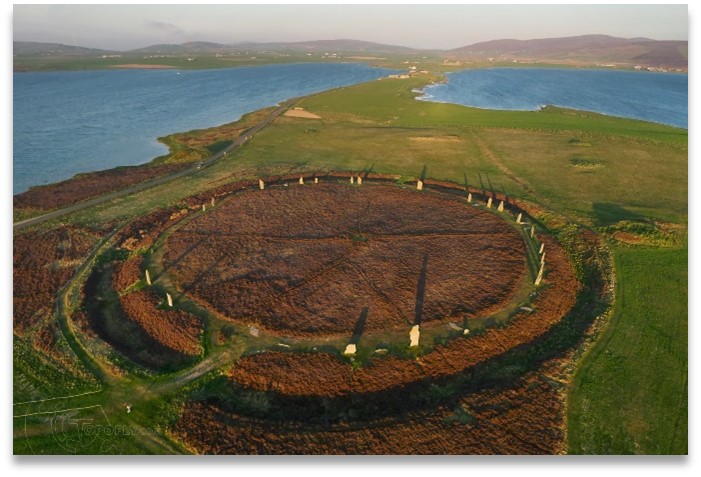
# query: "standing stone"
[518,219]
[501,206]
[532,231]
[489,203]
[212,202]
[316,180]
[204,207]
[261,184]
[148,278]
[469,196]
[351,179]
[301,180]
[414,336]
[170,300]
[360,180]
[542,248]
[540,274]
[419,185]
[350,350]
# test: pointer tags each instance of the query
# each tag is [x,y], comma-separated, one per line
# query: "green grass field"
[207,60]
[629,393]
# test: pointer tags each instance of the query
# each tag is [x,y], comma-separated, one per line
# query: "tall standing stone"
[501,206]
[532,231]
[489,203]
[414,336]
[204,207]
[469,196]
[148,278]
[540,274]
[170,300]
[261,184]
[360,180]
[301,180]
[419,185]
[316,180]
[352,180]
[212,202]
[518,219]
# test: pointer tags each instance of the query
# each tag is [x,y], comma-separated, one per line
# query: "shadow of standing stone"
[420,292]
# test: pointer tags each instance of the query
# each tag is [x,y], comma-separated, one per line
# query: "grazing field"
[269,286]
[603,179]
[630,395]
[38,375]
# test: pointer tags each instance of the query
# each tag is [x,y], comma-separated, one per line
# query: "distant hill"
[545,45]
[602,48]
[586,49]
[666,53]
[184,48]
[333,45]
[32,48]
[302,46]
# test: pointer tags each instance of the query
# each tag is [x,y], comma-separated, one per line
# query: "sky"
[123,27]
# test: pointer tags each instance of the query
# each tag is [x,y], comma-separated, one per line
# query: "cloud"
[167,28]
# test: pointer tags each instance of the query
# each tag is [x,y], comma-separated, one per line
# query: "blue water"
[656,97]
[71,122]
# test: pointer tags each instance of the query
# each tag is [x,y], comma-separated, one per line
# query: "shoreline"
[159,139]
[424,95]
[138,66]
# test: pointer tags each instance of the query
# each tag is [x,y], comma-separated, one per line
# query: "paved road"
[158,180]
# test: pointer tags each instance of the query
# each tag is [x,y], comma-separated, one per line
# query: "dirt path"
[210,363]
[489,155]
[525,186]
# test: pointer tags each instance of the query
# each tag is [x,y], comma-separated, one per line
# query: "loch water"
[650,96]
[71,122]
